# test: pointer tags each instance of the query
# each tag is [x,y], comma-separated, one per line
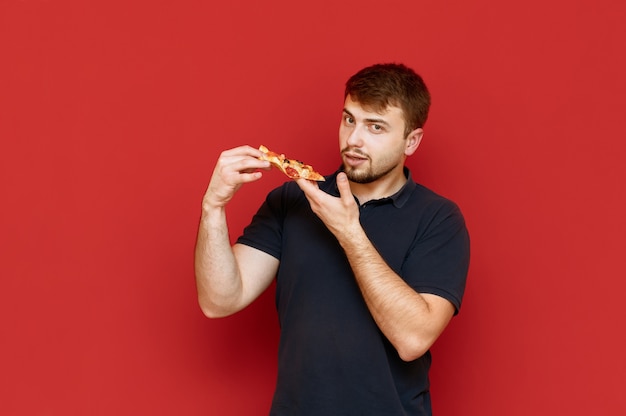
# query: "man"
[370,267]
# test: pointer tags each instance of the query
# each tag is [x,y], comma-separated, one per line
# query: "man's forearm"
[217,275]
[401,313]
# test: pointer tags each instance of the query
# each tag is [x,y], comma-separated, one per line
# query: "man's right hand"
[234,167]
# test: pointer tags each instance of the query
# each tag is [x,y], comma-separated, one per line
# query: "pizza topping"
[295,169]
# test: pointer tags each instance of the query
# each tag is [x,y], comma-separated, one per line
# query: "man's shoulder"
[427,197]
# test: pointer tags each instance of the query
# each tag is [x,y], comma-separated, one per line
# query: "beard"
[367,175]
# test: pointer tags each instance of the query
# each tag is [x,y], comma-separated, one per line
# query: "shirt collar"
[398,199]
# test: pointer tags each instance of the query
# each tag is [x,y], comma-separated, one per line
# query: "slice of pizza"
[290,167]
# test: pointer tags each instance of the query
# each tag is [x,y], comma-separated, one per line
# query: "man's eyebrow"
[369,120]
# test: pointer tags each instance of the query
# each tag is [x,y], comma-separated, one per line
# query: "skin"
[373,150]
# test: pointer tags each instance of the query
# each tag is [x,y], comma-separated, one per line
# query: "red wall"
[113,113]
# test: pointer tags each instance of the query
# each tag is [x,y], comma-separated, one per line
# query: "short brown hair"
[381,85]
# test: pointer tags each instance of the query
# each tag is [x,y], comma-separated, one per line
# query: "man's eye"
[376,127]
[349,120]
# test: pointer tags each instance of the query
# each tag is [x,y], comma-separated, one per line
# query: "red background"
[112,115]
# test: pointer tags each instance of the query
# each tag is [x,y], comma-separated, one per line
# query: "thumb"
[344,186]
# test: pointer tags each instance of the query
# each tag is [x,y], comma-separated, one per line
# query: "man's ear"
[413,141]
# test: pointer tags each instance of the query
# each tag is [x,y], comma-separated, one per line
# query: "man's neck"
[379,189]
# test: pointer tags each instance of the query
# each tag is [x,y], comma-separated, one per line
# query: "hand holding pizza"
[234,167]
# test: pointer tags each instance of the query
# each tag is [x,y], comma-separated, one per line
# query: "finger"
[250,164]
[345,193]
[305,185]
[245,150]
[242,163]
[250,177]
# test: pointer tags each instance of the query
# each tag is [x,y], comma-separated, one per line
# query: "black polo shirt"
[333,359]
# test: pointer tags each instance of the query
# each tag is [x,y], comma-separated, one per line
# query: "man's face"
[372,144]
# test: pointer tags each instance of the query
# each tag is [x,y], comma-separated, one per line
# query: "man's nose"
[355,137]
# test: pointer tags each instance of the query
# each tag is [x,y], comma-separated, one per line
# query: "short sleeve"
[438,262]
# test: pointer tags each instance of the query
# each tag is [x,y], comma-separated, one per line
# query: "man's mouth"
[354,159]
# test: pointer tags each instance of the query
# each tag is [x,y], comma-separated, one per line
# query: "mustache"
[354,151]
